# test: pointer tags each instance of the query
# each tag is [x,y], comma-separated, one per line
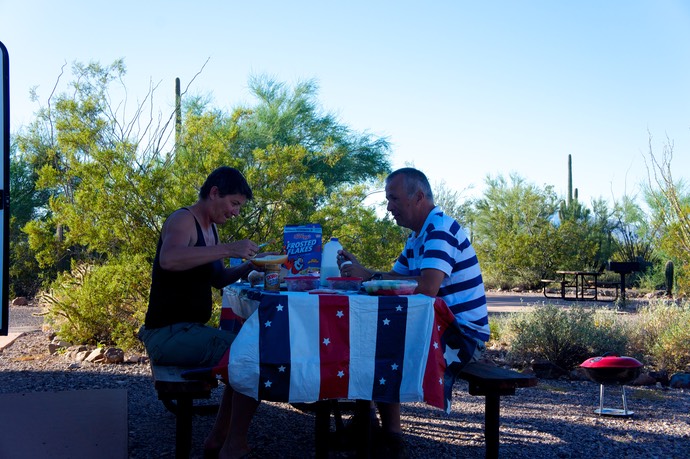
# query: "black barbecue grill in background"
[623,268]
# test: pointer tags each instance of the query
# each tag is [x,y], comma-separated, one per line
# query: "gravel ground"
[554,419]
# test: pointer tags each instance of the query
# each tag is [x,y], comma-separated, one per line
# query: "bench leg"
[183,428]
[322,428]
[492,413]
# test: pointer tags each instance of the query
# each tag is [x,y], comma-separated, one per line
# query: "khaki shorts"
[478,351]
[186,344]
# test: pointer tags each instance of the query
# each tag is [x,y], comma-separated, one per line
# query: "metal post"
[491,425]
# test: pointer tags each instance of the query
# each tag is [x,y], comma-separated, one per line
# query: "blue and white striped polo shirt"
[442,244]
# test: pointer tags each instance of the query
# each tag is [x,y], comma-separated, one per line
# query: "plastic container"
[302,283]
[390,287]
[329,260]
[345,283]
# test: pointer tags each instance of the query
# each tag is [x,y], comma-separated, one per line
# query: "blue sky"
[462,89]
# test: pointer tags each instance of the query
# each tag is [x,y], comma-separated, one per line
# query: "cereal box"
[303,247]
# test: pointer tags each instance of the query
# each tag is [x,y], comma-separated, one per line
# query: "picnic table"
[298,347]
[586,285]
[578,285]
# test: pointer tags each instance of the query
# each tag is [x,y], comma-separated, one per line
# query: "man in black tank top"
[187,266]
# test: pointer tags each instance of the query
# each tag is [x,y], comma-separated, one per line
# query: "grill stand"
[612,411]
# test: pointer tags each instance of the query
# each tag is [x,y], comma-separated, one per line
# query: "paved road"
[21,319]
[516,302]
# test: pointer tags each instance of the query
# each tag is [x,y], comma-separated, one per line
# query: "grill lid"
[611,361]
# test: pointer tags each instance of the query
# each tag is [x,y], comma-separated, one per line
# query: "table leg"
[363,407]
[322,428]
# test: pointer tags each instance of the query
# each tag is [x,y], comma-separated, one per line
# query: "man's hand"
[242,249]
[350,267]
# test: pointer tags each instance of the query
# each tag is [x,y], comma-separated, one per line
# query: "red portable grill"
[612,369]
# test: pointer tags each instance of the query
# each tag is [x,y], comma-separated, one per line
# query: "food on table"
[344,283]
[270,260]
[390,287]
[302,283]
[255,277]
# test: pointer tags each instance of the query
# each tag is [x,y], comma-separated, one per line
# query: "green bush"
[565,337]
[498,325]
[100,304]
[660,335]
[652,279]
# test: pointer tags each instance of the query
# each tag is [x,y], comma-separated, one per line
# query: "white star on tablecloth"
[386,322]
[326,341]
[281,369]
[267,384]
[267,324]
[382,381]
[339,314]
[398,308]
[279,307]
[435,345]
[341,374]
[394,366]
[451,355]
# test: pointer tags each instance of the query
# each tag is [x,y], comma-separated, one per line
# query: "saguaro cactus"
[668,271]
[570,181]
[571,208]
[178,113]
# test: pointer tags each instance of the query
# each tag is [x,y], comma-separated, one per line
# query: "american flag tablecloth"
[300,347]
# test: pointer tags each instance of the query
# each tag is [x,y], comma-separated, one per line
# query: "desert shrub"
[653,278]
[565,337]
[498,325]
[99,304]
[660,335]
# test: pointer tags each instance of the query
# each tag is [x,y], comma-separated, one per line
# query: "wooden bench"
[547,282]
[486,380]
[492,383]
[178,395]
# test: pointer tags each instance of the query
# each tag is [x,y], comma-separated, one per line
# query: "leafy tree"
[669,203]
[296,158]
[376,241]
[513,232]
[106,178]
[450,201]
[583,239]
[632,236]
[334,153]
[112,184]
[27,203]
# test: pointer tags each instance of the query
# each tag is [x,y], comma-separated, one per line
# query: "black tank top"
[181,296]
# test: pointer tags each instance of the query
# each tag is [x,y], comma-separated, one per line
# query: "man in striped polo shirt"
[440,257]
